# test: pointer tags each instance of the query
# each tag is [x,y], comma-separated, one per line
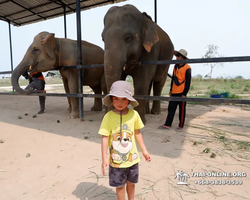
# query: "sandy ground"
[51,157]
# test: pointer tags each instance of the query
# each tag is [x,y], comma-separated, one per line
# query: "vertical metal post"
[11,56]
[65,23]
[79,56]
[156,11]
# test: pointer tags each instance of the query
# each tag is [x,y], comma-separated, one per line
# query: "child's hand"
[104,166]
[147,156]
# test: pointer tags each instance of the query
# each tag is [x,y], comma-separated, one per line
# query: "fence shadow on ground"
[55,121]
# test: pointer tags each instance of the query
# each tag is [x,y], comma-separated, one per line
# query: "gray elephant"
[131,37]
[48,52]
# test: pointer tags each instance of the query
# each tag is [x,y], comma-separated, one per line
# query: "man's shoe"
[41,112]
[164,127]
[179,129]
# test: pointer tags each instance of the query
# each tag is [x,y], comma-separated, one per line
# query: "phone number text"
[218,182]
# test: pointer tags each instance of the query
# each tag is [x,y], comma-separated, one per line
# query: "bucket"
[224,94]
[216,96]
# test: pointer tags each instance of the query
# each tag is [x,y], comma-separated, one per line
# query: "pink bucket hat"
[120,89]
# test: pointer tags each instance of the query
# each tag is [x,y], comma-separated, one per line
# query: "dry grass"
[238,88]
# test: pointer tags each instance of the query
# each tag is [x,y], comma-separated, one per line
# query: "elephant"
[131,37]
[47,52]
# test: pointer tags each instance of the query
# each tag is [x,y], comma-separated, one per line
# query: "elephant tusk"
[124,67]
[31,69]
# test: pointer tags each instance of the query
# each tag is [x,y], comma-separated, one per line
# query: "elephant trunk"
[113,66]
[20,70]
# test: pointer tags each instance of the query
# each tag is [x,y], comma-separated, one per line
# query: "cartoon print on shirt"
[121,147]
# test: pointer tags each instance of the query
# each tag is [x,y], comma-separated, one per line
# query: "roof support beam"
[79,56]
[156,11]
[63,4]
[11,55]
[65,22]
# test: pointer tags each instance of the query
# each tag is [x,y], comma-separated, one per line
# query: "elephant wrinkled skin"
[48,52]
[131,37]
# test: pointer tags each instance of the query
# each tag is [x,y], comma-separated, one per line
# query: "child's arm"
[139,139]
[105,140]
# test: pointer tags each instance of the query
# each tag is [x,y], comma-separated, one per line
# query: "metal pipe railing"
[80,95]
[163,62]
[162,98]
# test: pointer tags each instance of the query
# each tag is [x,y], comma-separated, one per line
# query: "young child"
[120,130]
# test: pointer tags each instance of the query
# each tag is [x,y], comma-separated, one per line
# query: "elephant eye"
[35,50]
[128,38]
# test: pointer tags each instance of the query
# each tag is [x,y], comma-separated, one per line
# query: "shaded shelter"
[23,12]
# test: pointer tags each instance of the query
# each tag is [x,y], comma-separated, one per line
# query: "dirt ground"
[51,157]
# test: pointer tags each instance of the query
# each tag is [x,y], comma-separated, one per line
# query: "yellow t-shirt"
[122,144]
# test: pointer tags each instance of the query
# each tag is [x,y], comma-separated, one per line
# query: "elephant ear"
[149,34]
[49,44]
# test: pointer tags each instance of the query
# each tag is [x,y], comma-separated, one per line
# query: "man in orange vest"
[37,82]
[180,85]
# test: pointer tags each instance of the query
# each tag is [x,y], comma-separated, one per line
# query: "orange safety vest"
[181,76]
[40,77]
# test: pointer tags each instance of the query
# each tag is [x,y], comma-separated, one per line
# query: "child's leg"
[130,190]
[132,180]
[120,193]
[117,178]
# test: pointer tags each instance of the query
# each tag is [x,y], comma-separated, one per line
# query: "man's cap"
[183,52]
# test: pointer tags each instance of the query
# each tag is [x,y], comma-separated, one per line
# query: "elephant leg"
[104,90]
[66,88]
[141,88]
[74,102]
[103,85]
[73,88]
[141,109]
[123,77]
[157,88]
[147,109]
[98,101]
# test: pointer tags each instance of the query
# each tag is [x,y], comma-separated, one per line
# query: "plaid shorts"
[119,176]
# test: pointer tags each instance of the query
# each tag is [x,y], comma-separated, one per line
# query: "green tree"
[212,52]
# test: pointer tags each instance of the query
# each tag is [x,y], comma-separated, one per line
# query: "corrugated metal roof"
[22,12]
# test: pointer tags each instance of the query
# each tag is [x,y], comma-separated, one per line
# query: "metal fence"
[161,62]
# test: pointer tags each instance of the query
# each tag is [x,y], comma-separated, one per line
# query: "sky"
[191,24]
